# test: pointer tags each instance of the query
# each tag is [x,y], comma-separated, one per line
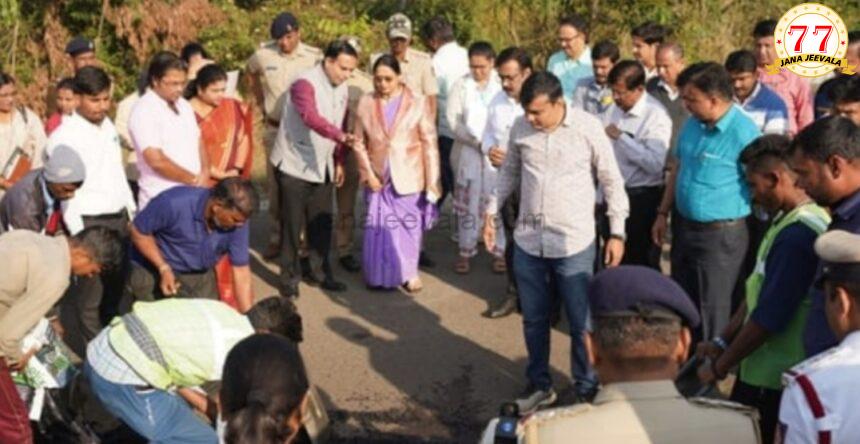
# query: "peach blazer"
[410,147]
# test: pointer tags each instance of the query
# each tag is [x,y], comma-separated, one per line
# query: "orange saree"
[227,138]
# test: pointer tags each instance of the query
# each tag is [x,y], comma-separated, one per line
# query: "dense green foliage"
[128,31]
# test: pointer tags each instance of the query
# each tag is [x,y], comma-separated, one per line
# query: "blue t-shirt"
[570,71]
[176,219]
[789,273]
[711,185]
[817,336]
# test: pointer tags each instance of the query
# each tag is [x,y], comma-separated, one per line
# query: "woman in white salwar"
[468,103]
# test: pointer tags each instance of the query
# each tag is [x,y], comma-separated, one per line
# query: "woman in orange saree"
[225,129]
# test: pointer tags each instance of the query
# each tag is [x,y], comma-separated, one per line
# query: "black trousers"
[310,206]
[91,302]
[706,263]
[446,144]
[510,211]
[765,400]
[144,284]
[639,249]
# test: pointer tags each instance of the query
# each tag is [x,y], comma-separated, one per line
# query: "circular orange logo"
[811,40]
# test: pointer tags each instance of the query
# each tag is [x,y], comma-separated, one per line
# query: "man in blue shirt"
[764,106]
[573,61]
[180,236]
[707,186]
[826,157]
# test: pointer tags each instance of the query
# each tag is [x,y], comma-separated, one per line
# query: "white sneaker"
[535,400]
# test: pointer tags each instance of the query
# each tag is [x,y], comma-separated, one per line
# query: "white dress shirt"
[831,379]
[450,63]
[646,131]
[501,114]
[105,189]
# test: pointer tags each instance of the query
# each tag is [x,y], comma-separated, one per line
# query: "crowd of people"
[131,233]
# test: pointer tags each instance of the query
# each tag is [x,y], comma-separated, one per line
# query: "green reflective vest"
[781,351]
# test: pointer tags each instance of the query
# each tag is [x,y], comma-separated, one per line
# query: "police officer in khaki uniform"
[271,70]
[641,336]
[417,66]
[359,84]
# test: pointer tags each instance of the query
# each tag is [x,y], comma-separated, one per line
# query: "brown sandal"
[462,265]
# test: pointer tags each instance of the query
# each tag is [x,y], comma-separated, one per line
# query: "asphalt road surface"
[393,367]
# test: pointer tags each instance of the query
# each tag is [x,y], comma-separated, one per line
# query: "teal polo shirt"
[711,185]
[570,71]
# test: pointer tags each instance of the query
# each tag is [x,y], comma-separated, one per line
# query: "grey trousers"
[143,284]
[706,263]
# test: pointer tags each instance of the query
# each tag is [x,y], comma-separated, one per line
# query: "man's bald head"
[670,62]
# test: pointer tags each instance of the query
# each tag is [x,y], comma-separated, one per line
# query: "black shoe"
[332,285]
[425,261]
[290,291]
[350,263]
[507,307]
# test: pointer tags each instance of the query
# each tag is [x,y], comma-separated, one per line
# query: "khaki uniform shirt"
[276,71]
[417,72]
[30,284]
[645,412]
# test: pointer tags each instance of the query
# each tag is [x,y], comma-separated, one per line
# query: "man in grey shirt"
[554,158]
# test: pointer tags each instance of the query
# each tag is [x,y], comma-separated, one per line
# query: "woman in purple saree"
[398,159]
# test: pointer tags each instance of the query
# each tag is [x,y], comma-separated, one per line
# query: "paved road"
[393,367]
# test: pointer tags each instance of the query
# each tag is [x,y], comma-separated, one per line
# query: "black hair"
[103,244]
[538,84]
[263,384]
[604,49]
[91,80]
[709,77]
[387,60]
[438,28]
[630,72]
[640,341]
[517,54]
[827,137]
[845,90]
[575,21]
[277,315]
[483,49]
[161,63]
[650,32]
[764,28]
[236,193]
[207,75]
[338,47]
[6,79]
[66,83]
[741,61]
[192,49]
[765,150]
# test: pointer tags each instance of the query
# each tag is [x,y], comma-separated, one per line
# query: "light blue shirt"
[711,184]
[568,70]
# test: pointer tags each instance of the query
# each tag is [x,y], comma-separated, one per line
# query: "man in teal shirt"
[710,195]
[573,61]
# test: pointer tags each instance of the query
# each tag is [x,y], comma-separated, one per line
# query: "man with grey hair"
[34,202]
[664,87]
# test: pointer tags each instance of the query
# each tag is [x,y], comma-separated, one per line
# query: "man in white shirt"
[450,63]
[640,130]
[513,66]
[165,132]
[468,102]
[646,38]
[104,199]
[592,94]
[820,401]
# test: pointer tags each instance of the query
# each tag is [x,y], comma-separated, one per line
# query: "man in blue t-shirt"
[707,187]
[180,236]
[826,157]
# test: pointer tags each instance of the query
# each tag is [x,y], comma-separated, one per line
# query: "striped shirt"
[766,109]
[556,172]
